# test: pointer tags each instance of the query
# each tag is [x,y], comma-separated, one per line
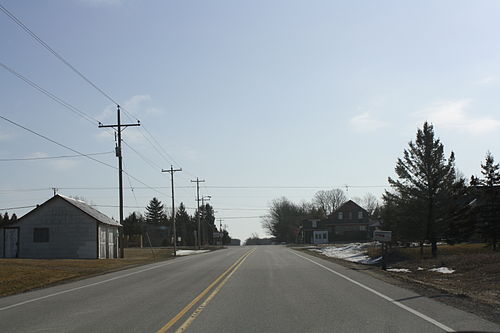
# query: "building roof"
[84,207]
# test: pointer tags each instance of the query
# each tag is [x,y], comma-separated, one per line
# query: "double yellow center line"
[218,284]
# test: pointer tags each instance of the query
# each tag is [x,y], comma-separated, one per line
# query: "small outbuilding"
[61,228]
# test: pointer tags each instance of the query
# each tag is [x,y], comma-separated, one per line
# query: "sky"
[261,99]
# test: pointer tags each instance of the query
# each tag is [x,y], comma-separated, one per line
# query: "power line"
[51,157]
[77,152]
[51,50]
[57,143]
[62,102]
[15,208]
[75,70]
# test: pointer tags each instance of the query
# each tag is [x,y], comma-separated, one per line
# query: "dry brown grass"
[477,270]
[19,275]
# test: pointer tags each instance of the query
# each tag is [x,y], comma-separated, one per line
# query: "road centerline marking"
[203,305]
[387,298]
[188,307]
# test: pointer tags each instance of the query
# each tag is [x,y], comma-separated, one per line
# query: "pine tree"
[6,218]
[489,216]
[426,182]
[184,225]
[155,213]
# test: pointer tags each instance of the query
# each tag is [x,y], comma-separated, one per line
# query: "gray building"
[63,228]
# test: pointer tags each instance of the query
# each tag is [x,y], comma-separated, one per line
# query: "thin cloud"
[487,80]
[138,105]
[63,164]
[453,115]
[366,122]
[101,3]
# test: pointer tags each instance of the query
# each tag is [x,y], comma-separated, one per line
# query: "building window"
[314,224]
[340,215]
[40,235]
[350,215]
[360,215]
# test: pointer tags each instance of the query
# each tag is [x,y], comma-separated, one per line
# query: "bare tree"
[370,203]
[329,201]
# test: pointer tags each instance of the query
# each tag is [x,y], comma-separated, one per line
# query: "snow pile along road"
[354,252]
[189,252]
[444,270]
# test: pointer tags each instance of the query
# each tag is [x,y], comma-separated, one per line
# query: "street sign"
[382,236]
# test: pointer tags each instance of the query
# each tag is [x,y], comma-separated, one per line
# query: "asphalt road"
[241,289]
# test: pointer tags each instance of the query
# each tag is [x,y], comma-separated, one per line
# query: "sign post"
[385,238]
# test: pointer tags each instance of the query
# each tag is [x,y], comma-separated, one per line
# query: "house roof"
[84,207]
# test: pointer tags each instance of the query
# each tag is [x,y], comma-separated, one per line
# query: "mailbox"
[382,236]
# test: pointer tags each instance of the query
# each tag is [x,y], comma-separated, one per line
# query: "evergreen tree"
[489,216]
[184,225]
[155,213]
[426,183]
[132,224]
[13,218]
[6,218]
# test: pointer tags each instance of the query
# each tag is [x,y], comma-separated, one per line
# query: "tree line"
[155,216]
[428,202]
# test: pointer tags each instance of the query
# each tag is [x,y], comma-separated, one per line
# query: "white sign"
[382,236]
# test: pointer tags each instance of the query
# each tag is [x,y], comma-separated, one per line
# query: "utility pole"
[171,171]
[207,198]
[118,149]
[221,232]
[198,181]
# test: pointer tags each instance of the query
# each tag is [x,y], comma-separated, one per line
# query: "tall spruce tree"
[425,185]
[489,210]
[155,213]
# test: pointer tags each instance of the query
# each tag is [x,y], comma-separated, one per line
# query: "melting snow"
[420,269]
[444,270]
[189,252]
[399,270]
[355,252]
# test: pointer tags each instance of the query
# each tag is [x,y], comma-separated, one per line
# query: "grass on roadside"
[20,275]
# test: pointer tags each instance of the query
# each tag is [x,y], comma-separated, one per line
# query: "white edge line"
[93,284]
[415,312]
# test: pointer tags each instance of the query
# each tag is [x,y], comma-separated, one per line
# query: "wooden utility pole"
[118,149]
[171,171]
[198,181]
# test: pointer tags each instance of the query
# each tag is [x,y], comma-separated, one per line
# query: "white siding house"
[61,227]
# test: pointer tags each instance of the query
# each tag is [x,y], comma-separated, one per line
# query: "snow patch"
[444,270]
[189,252]
[420,269]
[399,270]
[354,252]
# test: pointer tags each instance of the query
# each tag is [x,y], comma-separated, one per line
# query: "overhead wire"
[51,157]
[62,102]
[94,85]
[55,53]
[77,152]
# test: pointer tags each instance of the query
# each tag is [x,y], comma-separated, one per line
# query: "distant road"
[240,289]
